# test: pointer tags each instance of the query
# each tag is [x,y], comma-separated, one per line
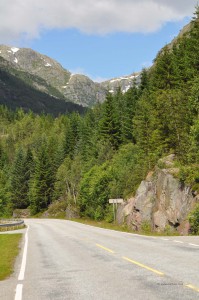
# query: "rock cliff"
[161,202]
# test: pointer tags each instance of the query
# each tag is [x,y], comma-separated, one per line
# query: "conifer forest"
[82,160]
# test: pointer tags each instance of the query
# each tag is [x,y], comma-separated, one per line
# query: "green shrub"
[94,192]
[146,227]
[194,220]
[99,214]
[57,208]
[109,217]
[189,175]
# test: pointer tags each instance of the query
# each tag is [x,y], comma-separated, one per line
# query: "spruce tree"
[110,129]
[19,180]
[42,181]
[130,99]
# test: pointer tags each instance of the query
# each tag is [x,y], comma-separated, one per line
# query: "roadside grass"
[123,228]
[145,228]
[9,249]
[103,224]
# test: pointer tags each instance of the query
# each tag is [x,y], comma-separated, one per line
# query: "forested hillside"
[86,160]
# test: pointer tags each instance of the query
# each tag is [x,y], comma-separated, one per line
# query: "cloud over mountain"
[27,18]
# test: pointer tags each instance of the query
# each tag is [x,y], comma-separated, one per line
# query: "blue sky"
[108,56]
[102,38]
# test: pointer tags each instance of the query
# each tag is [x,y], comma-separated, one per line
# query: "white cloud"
[27,18]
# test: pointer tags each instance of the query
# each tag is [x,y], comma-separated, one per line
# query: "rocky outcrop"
[81,89]
[161,201]
[124,83]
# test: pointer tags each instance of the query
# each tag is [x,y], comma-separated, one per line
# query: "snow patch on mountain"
[14,49]
[48,65]
[123,82]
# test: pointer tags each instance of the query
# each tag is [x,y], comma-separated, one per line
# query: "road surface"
[65,260]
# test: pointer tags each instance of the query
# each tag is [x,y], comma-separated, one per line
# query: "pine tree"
[144,83]
[110,127]
[163,73]
[3,157]
[72,134]
[19,181]
[42,181]
[130,99]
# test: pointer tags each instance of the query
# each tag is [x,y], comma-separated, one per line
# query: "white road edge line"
[193,245]
[18,295]
[164,239]
[24,258]
[178,242]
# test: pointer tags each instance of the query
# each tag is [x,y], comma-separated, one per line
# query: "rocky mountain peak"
[124,82]
[36,64]
[59,82]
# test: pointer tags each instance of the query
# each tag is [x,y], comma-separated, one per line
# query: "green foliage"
[57,209]
[189,175]
[20,176]
[110,125]
[94,192]
[83,161]
[193,155]
[9,248]
[68,177]
[42,181]
[127,169]
[109,216]
[146,227]
[194,220]
[5,194]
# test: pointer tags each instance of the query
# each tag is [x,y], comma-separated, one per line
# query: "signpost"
[115,202]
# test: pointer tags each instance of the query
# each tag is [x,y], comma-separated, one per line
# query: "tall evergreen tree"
[19,180]
[130,99]
[110,127]
[42,181]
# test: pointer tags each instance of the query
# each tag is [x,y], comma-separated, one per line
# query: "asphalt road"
[66,260]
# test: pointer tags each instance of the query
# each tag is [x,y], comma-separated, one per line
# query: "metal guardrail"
[11,223]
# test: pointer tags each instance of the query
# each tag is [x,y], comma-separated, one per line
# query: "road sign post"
[115,202]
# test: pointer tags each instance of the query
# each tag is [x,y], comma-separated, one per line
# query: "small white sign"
[113,201]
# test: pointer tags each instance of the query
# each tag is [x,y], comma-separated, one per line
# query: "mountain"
[124,82]
[21,89]
[52,78]
[31,74]
[48,76]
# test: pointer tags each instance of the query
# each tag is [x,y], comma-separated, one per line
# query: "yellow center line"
[107,249]
[143,266]
[195,288]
